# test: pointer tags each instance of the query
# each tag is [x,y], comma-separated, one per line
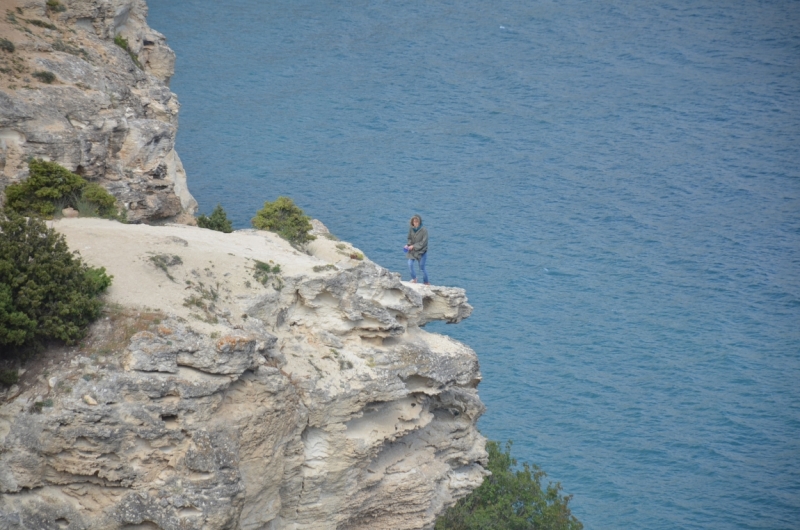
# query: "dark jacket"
[420,241]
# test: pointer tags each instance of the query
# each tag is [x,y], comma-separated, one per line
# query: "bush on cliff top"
[51,187]
[218,220]
[286,219]
[46,292]
[511,499]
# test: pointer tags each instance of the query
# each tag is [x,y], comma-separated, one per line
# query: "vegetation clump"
[51,187]
[165,261]
[286,219]
[264,272]
[96,196]
[55,6]
[203,299]
[7,46]
[8,377]
[44,77]
[218,221]
[511,499]
[40,23]
[61,46]
[46,292]
[122,42]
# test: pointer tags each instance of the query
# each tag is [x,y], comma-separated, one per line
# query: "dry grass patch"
[113,332]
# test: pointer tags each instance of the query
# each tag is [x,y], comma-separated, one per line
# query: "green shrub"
[6,45]
[286,219]
[85,208]
[264,272]
[56,6]
[46,292]
[105,202]
[122,42]
[44,77]
[51,187]
[47,183]
[97,281]
[8,377]
[511,499]
[218,221]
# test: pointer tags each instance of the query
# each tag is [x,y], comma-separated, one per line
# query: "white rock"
[329,406]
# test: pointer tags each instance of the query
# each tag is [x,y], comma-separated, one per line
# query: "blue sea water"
[616,184]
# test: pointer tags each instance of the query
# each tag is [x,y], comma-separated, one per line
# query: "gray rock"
[333,409]
[104,118]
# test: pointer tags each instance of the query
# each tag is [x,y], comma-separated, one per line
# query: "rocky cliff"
[85,83]
[235,382]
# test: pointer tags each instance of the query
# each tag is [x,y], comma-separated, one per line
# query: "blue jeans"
[422,260]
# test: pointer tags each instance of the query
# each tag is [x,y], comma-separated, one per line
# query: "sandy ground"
[201,261]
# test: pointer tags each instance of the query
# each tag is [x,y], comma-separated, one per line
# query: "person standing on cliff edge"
[417,248]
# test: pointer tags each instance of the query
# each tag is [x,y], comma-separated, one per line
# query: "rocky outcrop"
[238,383]
[69,94]
[234,381]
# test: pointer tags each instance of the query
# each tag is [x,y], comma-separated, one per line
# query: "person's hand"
[410,247]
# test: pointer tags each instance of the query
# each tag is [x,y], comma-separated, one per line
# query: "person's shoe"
[413,280]
[427,283]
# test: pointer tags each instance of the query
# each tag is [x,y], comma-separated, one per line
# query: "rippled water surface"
[616,185]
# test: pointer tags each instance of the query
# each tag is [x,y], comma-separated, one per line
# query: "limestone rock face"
[107,114]
[309,397]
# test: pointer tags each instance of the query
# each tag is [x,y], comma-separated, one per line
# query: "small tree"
[218,221]
[511,499]
[47,183]
[286,219]
[50,186]
[46,291]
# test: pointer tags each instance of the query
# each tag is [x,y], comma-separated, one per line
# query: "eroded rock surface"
[107,114]
[308,398]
